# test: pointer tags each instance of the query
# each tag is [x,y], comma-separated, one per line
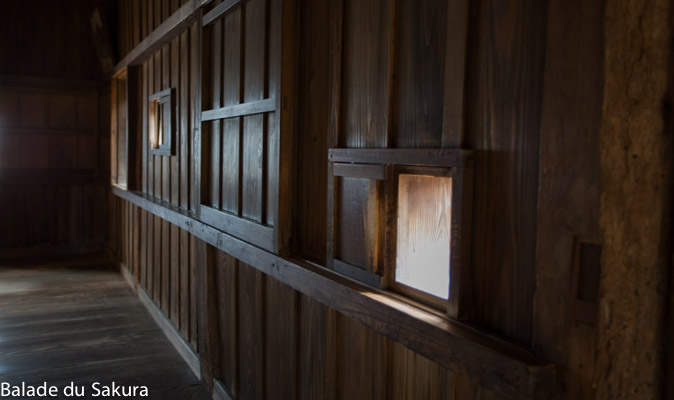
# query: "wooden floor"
[75,321]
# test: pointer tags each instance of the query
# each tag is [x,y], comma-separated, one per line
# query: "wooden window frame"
[271,237]
[166,101]
[385,166]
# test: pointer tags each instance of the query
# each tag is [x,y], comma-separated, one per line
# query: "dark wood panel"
[252,332]
[419,65]
[361,364]
[312,352]
[228,314]
[411,376]
[365,81]
[281,323]
[569,158]
[504,83]
[313,119]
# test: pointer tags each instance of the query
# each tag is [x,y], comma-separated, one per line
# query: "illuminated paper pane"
[423,238]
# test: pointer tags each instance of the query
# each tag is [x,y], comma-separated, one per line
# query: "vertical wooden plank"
[174,264]
[209,344]
[365,85]
[184,95]
[569,158]
[144,132]
[113,131]
[166,74]
[135,10]
[158,260]
[280,361]
[311,376]
[135,127]
[174,187]
[216,87]
[228,301]
[159,68]
[455,62]
[144,246]
[506,75]
[361,361]
[253,126]
[252,333]
[175,162]
[184,323]
[196,96]
[194,266]
[411,376]
[309,226]
[165,265]
[231,84]
[184,102]
[419,93]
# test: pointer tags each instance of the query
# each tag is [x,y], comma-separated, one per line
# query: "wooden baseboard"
[220,391]
[128,277]
[169,329]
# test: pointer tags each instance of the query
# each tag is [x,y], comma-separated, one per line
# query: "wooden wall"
[520,83]
[52,191]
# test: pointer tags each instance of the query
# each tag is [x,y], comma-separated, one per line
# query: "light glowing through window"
[423,233]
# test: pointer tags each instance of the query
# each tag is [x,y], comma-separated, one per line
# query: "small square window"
[400,221]
[161,127]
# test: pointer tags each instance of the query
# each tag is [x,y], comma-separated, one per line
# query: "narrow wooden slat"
[193,328]
[184,296]
[113,131]
[228,295]
[254,134]
[455,62]
[214,168]
[158,261]
[184,104]
[239,110]
[252,333]
[209,345]
[357,273]
[249,231]
[280,355]
[218,11]
[195,132]
[231,95]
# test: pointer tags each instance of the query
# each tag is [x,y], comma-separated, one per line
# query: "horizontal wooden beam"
[219,11]
[249,231]
[510,370]
[239,110]
[167,31]
[365,171]
[420,157]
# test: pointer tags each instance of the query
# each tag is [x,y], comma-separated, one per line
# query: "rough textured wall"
[636,181]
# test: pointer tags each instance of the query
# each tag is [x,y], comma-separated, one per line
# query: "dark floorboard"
[77,321]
